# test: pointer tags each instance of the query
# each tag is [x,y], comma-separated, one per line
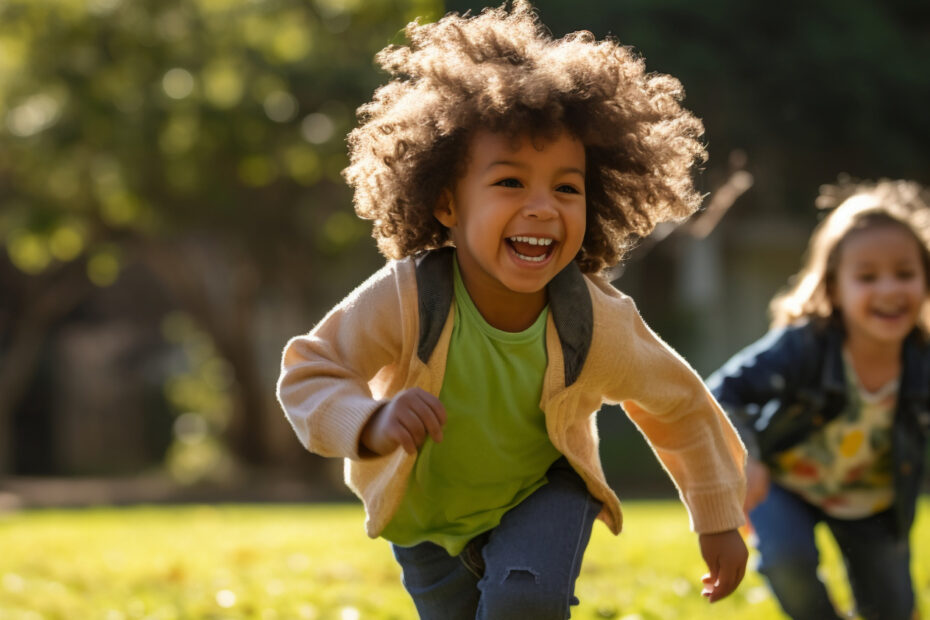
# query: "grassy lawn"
[314,562]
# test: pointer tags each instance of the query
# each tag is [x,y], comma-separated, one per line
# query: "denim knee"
[521,593]
[797,587]
[781,556]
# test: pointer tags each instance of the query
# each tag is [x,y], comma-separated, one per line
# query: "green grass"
[314,562]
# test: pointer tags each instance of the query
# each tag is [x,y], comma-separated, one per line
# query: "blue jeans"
[526,567]
[877,561]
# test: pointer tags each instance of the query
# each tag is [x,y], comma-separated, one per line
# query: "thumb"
[710,578]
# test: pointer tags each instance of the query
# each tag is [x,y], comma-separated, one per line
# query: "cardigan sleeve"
[686,428]
[324,382]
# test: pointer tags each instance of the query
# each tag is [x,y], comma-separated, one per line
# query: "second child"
[833,404]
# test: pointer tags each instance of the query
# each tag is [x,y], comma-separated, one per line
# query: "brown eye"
[513,183]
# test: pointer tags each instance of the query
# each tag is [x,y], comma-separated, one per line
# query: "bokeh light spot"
[292,42]
[37,113]
[303,164]
[66,243]
[225,598]
[103,267]
[222,84]
[28,251]
[317,128]
[280,106]
[349,613]
[178,83]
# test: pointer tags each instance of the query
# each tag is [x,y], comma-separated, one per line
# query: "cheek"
[852,295]
[921,293]
[577,222]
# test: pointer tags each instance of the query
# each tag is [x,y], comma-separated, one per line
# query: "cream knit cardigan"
[365,351]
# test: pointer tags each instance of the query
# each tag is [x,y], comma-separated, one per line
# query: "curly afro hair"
[502,71]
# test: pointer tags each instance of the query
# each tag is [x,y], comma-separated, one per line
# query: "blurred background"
[171,211]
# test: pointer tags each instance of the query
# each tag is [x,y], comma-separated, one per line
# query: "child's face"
[880,284]
[516,215]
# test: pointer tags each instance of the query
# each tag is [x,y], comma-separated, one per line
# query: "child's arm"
[747,387]
[757,483]
[683,424]
[691,436]
[324,383]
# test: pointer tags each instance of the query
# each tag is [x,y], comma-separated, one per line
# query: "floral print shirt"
[845,467]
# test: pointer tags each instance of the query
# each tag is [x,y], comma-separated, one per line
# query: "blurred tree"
[202,139]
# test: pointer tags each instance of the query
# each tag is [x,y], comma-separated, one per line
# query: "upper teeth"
[533,240]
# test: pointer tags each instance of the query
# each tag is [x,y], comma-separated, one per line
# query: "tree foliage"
[202,139]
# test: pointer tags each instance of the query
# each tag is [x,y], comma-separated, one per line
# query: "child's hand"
[405,421]
[725,554]
[757,483]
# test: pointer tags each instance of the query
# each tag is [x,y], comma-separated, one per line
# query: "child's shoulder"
[804,336]
[394,281]
[618,324]
[609,300]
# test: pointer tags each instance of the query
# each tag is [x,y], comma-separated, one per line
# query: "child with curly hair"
[504,170]
[833,403]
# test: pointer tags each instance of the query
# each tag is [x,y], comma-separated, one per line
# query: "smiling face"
[880,284]
[517,218]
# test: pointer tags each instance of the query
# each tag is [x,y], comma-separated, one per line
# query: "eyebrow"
[516,164]
[871,264]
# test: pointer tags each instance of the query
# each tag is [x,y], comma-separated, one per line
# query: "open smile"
[532,249]
[890,315]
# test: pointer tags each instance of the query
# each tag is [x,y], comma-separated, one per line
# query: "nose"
[540,206]
[889,285]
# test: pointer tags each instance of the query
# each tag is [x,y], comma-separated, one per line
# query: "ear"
[444,211]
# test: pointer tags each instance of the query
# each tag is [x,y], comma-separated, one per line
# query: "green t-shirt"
[495,449]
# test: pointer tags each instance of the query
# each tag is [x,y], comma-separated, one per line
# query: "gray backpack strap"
[573,315]
[434,293]
[569,303]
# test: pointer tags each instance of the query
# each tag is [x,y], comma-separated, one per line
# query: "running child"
[503,171]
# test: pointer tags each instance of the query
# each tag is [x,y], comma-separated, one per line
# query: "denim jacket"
[792,382]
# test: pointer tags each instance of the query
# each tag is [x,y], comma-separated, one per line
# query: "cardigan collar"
[569,303]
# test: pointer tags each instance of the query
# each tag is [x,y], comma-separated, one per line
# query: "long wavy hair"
[856,206]
[501,70]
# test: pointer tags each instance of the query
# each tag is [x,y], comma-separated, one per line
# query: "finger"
[403,437]
[433,415]
[434,404]
[396,431]
[713,568]
[724,586]
[710,578]
[410,420]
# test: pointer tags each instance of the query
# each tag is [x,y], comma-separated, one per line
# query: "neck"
[504,309]
[875,363]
